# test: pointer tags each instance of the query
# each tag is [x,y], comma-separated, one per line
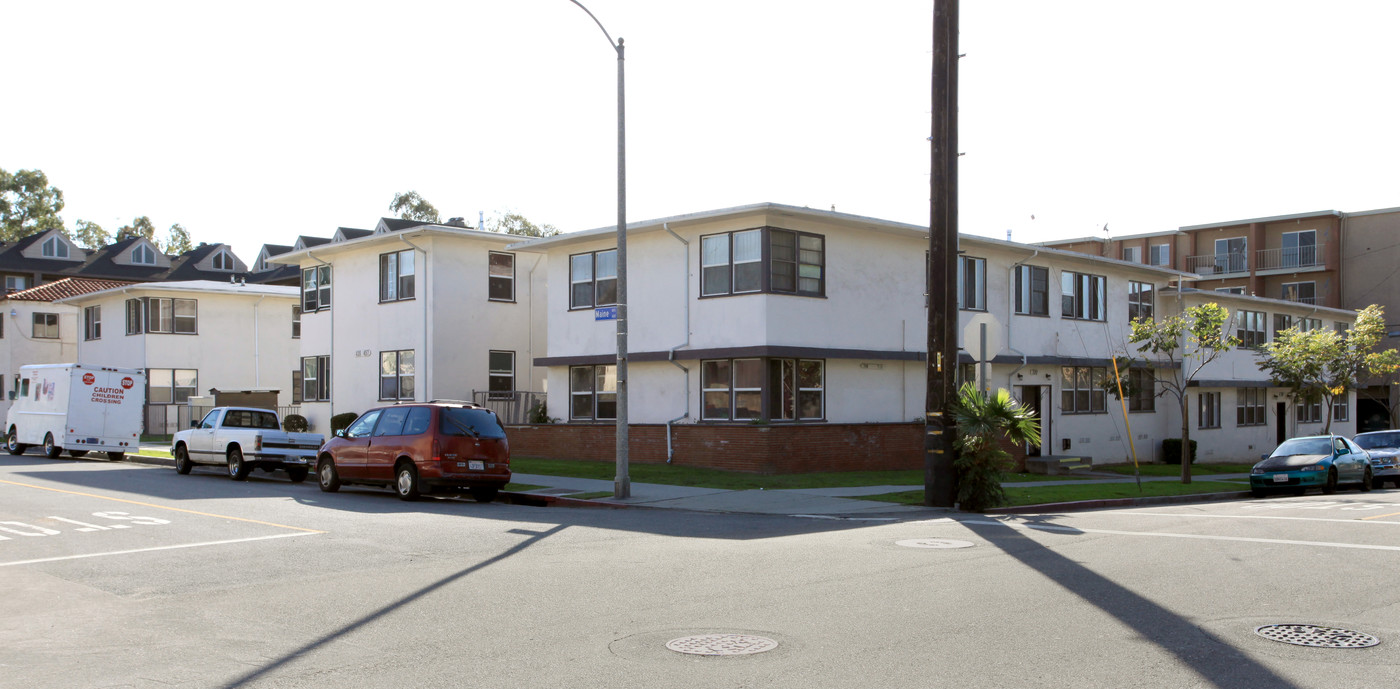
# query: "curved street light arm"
[617,45]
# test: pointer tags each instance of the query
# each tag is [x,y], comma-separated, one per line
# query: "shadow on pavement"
[1209,656]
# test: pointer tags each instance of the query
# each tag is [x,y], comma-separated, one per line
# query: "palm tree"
[982,421]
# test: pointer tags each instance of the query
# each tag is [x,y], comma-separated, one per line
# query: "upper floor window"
[1302,292]
[223,260]
[1299,249]
[315,289]
[501,279]
[1132,254]
[45,326]
[593,279]
[92,323]
[1230,290]
[1140,302]
[762,260]
[1251,331]
[1033,290]
[15,283]
[1161,254]
[54,247]
[1082,296]
[972,283]
[396,276]
[162,315]
[143,255]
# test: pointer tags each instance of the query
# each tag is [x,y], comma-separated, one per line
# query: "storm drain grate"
[1313,635]
[939,543]
[721,644]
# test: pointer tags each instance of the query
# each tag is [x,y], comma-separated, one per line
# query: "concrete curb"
[1121,502]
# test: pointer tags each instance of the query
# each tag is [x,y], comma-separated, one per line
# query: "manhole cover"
[722,644]
[942,543]
[1313,635]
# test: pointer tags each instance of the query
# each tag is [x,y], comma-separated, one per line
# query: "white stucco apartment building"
[191,337]
[777,338]
[415,311]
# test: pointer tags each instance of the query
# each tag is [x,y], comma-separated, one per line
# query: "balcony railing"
[1218,264]
[1292,257]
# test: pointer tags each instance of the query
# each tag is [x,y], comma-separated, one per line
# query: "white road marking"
[148,550]
[1356,520]
[1071,529]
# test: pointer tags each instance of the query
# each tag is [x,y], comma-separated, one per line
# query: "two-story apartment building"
[413,312]
[191,337]
[774,338]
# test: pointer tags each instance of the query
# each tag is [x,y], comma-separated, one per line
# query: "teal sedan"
[1320,461]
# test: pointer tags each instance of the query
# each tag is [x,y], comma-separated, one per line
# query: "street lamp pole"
[622,483]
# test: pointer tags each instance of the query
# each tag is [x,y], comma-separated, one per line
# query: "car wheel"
[297,474]
[327,476]
[182,460]
[116,456]
[77,453]
[12,444]
[406,481]
[1367,480]
[1258,492]
[237,468]
[51,450]
[484,494]
[1331,486]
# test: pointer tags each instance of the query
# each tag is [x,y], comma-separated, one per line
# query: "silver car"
[1384,448]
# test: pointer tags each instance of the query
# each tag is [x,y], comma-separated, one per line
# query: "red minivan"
[420,448]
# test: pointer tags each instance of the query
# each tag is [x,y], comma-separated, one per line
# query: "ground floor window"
[1310,412]
[316,379]
[501,372]
[396,375]
[170,385]
[1082,389]
[1208,410]
[763,389]
[1142,395]
[1340,410]
[593,392]
[1249,406]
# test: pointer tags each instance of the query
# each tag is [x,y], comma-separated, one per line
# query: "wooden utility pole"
[940,481]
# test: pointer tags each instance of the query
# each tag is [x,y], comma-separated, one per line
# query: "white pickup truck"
[242,438]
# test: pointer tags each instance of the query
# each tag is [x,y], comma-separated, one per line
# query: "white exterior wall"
[19,348]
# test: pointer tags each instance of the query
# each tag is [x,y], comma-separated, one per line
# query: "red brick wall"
[775,449]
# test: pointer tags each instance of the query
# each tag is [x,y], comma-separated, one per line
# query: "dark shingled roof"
[67,287]
[398,224]
[352,233]
[275,249]
[313,241]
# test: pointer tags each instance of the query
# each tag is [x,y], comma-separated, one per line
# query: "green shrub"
[539,413]
[294,423]
[340,421]
[1171,451]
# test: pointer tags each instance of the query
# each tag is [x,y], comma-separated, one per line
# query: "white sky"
[254,122]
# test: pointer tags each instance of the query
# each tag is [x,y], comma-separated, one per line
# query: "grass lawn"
[1040,495]
[1175,469]
[673,475]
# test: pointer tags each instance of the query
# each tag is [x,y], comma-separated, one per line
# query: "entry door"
[1030,396]
[1281,419]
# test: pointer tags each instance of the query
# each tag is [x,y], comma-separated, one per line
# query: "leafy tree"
[1188,342]
[983,420]
[140,227]
[515,223]
[178,241]
[410,206]
[91,235]
[28,204]
[1321,365]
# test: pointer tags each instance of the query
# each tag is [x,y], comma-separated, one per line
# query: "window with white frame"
[1208,410]
[501,373]
[142,254]
[1341,410]
[315,289]
[1306,324]
[1143,384]
[1032,290]
[1309,412]
[396,375]
[1301,292]
[296,322]
[972,283]
[731,263]
[15,283]
[593,279]
[1231,255]
[316,378]
[1282,322]
[1140,301]
[1249,406]
[45,326]
[1082,296]
[1082,390]
[223,260]
[1161,254]
[162,315]
[1251,329]
[593,392]
[54,247]
[170,385]
[92,323]
[501,276]
[396,276]
[1132,254]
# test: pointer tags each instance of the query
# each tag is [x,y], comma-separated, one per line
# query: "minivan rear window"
[467,421]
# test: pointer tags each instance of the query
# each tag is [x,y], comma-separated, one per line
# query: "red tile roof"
[67,287]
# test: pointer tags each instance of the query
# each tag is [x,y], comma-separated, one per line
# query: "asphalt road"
[121,575]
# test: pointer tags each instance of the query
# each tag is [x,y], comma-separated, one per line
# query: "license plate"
[476,466]
[1280,478]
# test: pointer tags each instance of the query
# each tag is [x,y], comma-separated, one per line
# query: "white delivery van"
[77,407]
